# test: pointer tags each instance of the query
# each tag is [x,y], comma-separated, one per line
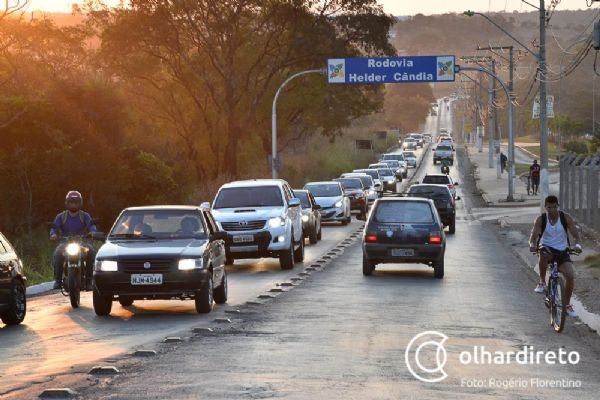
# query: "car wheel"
[102,303]
[313,236]
[286,258]
[319,234]
[349,218]
[451,162]
[299,252]
[452,227]
[125,301]
[17,304]
[438,268]
[204,297]
[220,293]
[368,266]
[344,222]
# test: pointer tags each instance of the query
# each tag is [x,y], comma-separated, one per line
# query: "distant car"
[161,253]
[13,301]
[311,216]
[409,144]
[443,152]
[356,192]
[411,158]
[388,177]
[373,173]
[399,157]
[368,182]
[441,179]
[418,137]
[427,138]
[335,206]
[404,230]
[400,170]
[434,112]
[442,197]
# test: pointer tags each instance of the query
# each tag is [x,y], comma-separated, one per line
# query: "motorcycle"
[445,169]
[74,254]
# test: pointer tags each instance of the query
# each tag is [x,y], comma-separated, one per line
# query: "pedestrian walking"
[534,173]
[503,160]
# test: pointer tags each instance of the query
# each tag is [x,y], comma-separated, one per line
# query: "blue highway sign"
[370,70]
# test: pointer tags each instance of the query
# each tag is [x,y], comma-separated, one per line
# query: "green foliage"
[577,146]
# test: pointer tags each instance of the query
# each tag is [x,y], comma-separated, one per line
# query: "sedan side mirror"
[294,202]
[316,207]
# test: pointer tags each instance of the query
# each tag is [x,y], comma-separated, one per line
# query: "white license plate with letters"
[403,252]
[146,279]
[243,238]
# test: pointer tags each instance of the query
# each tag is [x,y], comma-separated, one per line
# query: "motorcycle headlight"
[106,265]
[276,221]
[305,218]
[73,249]
[338,204]
[187,264]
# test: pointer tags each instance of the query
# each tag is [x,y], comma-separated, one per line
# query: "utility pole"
[544,186]
[491,119]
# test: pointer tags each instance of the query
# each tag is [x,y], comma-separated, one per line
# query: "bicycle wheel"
[558,310]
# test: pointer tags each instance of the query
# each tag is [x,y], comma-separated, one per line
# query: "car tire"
[349,218]
[405,175]
[299,252]
[451,162]
[204,297]
[17,304]
[102,303]
[286,258]
[320,233]
[438,268]
[220,293]
[452,226]
[125,301]
[344,222]
[368,266]
[313,236]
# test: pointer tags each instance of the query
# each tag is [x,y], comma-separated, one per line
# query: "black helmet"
[73,200]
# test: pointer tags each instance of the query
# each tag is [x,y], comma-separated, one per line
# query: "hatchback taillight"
[370,238]
[435,237]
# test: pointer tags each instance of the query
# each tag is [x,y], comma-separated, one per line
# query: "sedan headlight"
[187,264]
[73,249]
[106,265]
[390,181]
[305,218]
[338,204]
[276,221]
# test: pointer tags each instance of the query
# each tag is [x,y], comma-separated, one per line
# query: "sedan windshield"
[324,190]
[158,224]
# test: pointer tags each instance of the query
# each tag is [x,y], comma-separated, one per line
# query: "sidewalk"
[494,190]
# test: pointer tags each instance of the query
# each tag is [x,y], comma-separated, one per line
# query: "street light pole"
[543,109]
[274,159]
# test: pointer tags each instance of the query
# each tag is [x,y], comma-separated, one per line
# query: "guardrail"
[579,186]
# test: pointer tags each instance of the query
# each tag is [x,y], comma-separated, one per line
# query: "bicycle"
[527,181]
[555,290]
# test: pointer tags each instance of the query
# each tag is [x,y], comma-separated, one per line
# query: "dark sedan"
[13,302]
[161,252]
[355,190]
[404,230]
[443,199]
[311,216]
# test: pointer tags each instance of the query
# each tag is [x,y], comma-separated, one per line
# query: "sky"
[399,7]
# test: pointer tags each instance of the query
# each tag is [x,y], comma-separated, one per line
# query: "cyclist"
[552,230]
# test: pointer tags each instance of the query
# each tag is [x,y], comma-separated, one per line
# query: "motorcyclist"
[445,168]
[72,222]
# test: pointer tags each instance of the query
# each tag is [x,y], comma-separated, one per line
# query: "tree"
[209,69]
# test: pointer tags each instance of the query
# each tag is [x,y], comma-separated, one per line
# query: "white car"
[335,206]
[411,158]
[263,218]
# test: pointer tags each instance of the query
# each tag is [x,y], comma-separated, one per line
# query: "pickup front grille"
[244,225]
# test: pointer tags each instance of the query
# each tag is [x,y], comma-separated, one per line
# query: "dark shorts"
[561,256]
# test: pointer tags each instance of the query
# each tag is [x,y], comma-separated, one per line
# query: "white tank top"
[554,235]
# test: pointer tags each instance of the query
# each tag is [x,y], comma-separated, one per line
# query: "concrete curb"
[39,288]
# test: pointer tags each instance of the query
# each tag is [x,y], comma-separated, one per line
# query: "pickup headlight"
[187,264]
[73,249]
[106,265]
[305,218]
[276,221]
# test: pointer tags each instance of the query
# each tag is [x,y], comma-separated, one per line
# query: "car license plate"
[146,279]
[243,238]
[403,252]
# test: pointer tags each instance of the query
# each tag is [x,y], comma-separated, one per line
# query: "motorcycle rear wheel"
[74,279]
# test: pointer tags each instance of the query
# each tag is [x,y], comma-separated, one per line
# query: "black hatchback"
[161,252]
[405,230]
[13,301]
[443,199]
